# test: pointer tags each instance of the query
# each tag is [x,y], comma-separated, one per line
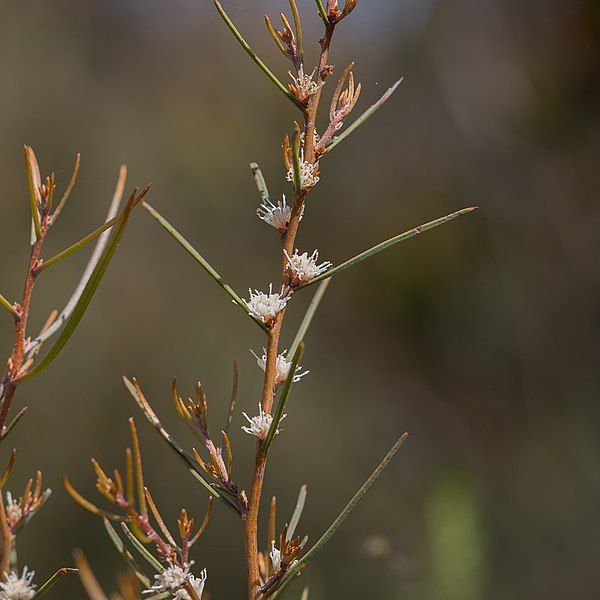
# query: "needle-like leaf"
[153,562]
[90,288]
[45,587]
[340,519]
[287,387]
[387,244]
[260,182]
[97,254]
[368,113]
[88,579]
[4,303]
[69,189]
[34,181]
[322,12]
[131,562]
[13,423]
[263,67]
[297,513]
[308,316]
[202,262]
[9,468]
[80,244]
[86,503]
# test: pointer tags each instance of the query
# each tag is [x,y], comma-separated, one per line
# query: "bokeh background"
[480,337]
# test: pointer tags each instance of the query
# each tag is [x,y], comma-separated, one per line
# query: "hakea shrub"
[269,570]
[16,511]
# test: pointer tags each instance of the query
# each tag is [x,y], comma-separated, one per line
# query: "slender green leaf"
[308,316]
[202,262]
[368,113]
[90,288]
[297,513]
[127,557]
[287,387]
[13,423]
[387,244]
[97,254]
[7,305]
[146,555]
[322,12]
[80,244]
[263,67]
[34,181]
[340,519]
[52,582]
[69,189]
[260,183]
[298,27]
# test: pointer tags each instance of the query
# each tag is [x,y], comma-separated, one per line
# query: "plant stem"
[251,518]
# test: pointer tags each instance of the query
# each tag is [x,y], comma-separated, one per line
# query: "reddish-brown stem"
[21,318]
[268,393]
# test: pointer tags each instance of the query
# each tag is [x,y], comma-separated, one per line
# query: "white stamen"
[305,267]
[283,366]
[259,425]
[266,306]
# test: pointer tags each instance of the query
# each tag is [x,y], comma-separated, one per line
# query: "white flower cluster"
[283,366]
[305,267]
[305,84]
[275,556]
[266,306]
[276,215]
[174,577]
[13,509]
[18,588]
[309,173]
[259,425]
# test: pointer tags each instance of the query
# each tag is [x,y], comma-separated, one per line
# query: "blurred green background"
[479,337]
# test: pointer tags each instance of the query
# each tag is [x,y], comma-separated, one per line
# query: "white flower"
[304,85]
[266,306]
[275,556]
[13,509]
[277,216]
[18,588]
[197,583]
[309,173]
[305,267]
[283,366]
[171,578]
[259,425]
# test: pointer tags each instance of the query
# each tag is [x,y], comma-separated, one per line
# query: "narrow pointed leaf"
[387,244]
[127,557]
[146,555]
[263,67]
[89,290]
[322,12]
[80,244]
[13,423]
[45,587]
[297,513]
[308,316]
[368,113]
[4,303]
[69,189]
[97,254]
[86,503]
[260,182]
[202,262]
[341,517]
[9,468]
[34,181]
[285,393]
